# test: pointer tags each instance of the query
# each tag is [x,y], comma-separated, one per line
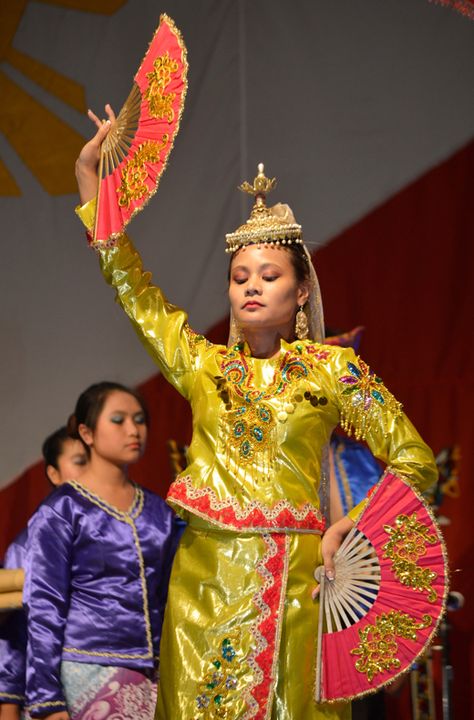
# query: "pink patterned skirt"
[97,692]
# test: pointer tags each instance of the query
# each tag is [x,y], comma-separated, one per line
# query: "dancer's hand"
[331,543]
[88,160]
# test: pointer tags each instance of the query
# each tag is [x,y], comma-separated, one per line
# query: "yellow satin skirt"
[240,628]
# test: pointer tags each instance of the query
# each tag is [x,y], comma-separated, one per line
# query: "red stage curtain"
[406,272]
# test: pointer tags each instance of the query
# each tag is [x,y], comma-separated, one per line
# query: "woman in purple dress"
[98,561]
[64,458]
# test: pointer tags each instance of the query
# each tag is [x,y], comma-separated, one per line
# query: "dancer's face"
[264,292]
[120,432]
[71,462]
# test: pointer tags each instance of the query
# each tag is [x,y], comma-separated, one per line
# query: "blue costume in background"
[355,469]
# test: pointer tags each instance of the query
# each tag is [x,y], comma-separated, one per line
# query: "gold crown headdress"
[276,226]
[265,224]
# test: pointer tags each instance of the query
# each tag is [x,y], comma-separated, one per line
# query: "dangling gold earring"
[236,332]
[301,325]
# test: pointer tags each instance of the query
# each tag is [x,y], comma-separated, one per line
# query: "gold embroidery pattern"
[53,703]
[363,397]
[146,611]
[378,645]
[98,653]
[220,683]
[10,696]
[248,427]
[408,541]
[160,104]
[194,340]
[134,173]
[134,512]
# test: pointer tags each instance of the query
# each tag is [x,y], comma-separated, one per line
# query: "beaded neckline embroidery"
[249,421]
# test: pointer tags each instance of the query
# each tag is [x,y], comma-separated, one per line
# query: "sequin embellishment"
[363,397]
[407,544]
[250,421]
[194,340]
[220,682]
[378,645]
[134,173]
[161,103]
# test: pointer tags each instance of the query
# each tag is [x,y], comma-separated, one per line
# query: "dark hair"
[90,404]
[53,446]
[299,260]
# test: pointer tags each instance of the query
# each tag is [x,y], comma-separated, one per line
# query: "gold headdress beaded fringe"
[264,224]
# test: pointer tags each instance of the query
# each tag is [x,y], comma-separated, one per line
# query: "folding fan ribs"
[136,149]
[383,607]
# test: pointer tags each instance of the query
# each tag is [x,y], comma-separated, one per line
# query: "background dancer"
[98,560]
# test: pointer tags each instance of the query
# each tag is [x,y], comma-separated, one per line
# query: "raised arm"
[162,327]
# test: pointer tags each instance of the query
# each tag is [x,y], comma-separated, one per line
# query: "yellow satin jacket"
[260,425]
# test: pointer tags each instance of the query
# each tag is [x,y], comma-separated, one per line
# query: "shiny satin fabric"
[299,430]
[214,596]
[13,635]
[96,586]
[240,626]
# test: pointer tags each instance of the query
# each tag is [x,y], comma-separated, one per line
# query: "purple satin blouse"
[13,635]
[95,587]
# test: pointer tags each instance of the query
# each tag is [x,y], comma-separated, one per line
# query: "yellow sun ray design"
[47,145]
[7,182]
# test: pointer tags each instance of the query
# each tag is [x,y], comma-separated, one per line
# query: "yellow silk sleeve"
[371,413]
[86,213]
[162,327]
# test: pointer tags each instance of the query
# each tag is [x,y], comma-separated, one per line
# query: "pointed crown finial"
[265,225]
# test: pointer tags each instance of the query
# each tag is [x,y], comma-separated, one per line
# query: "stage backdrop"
[365,113]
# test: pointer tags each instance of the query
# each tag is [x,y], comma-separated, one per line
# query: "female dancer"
[239,637]
[63,458]
[97,567]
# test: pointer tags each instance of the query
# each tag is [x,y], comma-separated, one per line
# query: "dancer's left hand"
[331,543]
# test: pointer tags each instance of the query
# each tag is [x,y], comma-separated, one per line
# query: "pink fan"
[387,599]
[137,146]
